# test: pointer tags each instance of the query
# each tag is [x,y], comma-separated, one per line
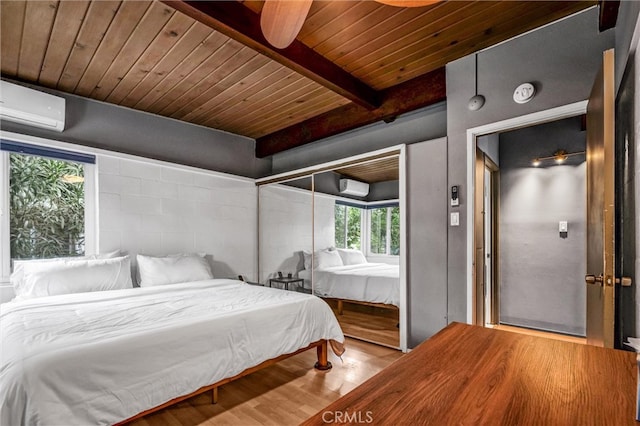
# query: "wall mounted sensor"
[476,102]
[455,199]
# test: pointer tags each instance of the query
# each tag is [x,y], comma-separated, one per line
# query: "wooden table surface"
[471,375]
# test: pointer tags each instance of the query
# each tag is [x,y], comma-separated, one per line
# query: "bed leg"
[214,395]
[323,363]
[340,307]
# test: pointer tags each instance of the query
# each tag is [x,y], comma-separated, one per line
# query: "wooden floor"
[369,323]
[548,335]
[284,394]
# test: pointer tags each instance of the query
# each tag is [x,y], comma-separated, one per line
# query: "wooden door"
[600,278]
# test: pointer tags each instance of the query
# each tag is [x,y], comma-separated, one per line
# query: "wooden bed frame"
[358,302]
[322,365]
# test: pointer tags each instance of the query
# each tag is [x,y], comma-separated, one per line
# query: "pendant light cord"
[476,73]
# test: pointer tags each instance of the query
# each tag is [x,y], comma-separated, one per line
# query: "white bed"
[364,282]
[103,357]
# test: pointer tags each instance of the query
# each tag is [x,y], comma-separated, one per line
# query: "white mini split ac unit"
[353,187]
[31,107]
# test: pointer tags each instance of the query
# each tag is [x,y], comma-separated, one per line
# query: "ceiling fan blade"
[281,21]
[408,3]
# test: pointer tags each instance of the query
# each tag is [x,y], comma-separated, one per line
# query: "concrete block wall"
[154,208]
[286,228]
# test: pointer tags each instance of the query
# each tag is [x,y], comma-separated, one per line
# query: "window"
[348,226]
[375,228]
[384,226]
[45,193]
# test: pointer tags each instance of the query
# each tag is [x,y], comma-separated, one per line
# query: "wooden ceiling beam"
[608,14]
[419,92]
[240,23]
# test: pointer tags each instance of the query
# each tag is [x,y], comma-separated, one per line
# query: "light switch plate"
[455,219]
[563,226]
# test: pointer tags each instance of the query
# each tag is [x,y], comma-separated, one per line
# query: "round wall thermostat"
[524,93]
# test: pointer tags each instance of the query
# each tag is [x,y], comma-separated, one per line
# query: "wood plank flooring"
[369,323]
[284,394]
[539,333]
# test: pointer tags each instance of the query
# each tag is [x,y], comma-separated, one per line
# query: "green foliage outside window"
[395,231]
[379,231]
[348,226]
[46,211]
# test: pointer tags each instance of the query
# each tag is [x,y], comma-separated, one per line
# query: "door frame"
[553,114]
[483,165]
[492,315]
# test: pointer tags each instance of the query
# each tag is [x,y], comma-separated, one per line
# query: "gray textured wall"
[561,59]
[329,183]
[114,128]
[416,126]
[628,126]
[627,22]
[490,145]
[427,199]
[542,272]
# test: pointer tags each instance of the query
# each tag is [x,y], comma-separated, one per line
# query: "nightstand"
[286,281]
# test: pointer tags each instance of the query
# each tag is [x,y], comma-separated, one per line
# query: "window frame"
[90,197]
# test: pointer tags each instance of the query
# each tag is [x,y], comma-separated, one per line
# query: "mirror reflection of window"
[385,230]
[348,223]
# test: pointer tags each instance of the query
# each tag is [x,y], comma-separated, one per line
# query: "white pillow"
[327,259]
[352,257]
[17,276]
[74,276]
[306,254]
[179,268]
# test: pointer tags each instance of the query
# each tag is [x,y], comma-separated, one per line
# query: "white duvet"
[365,282]
[102,357]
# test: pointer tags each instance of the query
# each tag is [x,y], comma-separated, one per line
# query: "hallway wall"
[542,271]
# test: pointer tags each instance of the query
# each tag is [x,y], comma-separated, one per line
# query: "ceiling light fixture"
[477,101]
[282,20]
[560,156]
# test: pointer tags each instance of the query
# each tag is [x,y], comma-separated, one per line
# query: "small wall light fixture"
[560,156]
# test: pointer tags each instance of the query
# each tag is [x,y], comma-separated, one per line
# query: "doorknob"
[624,281]
[592,279]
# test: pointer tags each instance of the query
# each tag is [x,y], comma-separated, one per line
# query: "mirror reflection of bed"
[356,254]
[342,245]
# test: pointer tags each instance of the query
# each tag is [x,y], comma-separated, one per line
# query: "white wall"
[156,209]
[324,221]
[285,229]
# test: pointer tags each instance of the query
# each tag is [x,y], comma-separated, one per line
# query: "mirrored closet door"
[285,234]
[356,263]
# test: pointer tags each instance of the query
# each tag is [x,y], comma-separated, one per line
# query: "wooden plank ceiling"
[382,170]
[370,61]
